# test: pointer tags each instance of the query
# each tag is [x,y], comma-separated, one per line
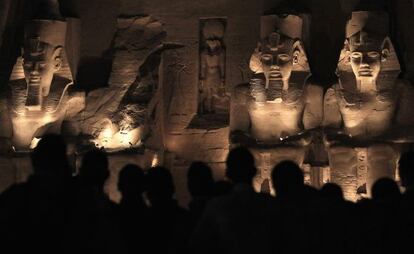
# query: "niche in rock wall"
[213,98]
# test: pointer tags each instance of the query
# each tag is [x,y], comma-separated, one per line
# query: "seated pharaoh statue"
[40,98]
[367,117]
[273,114]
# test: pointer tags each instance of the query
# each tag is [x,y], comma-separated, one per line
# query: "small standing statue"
[213,98]
[212,75]
[41,96]
[367,114]
[272,114]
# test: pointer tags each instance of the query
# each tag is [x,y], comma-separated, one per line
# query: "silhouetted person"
[406,216]
[406,170]
[221,187]
[337,221]
[133,212]
[235,222]
[33,214]
[332,191]
[200,185]
[169,223]
[385,189]
[94,226]
[381,217]
[288,180]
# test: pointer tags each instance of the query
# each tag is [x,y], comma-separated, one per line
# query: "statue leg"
[382,160]
[343,161]
[268,158]
[209,100]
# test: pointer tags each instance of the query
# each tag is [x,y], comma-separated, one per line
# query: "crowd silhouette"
[56,211]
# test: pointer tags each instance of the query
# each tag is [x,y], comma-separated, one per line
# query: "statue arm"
[332,118]
[239,115]
[6,127]
[403,129]
[406,105]
[313,112]
[203,69]
[222,64]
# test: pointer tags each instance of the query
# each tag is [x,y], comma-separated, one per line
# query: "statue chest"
[274,120]
[52,104]
[212,61]
[367,113]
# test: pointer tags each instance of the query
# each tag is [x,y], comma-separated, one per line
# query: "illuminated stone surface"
[113,32]
[119,116]
[370,103]
[272,113]
[41,85]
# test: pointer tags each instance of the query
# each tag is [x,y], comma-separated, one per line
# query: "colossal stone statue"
[40,96]
[272,114]
[367,113]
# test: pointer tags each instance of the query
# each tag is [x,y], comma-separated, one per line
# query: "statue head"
[278,56]
[280,51]
[367,49]
[213,44]
[42,56]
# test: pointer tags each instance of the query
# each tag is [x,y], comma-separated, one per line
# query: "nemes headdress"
[375,26]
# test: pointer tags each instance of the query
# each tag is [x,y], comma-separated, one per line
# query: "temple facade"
[326,83]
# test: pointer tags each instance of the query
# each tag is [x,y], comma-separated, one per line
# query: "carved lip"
[34,79]
[365,72]
[275,75]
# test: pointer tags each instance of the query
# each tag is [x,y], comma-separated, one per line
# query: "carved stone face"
[276,57]
[366,54]
[41,61]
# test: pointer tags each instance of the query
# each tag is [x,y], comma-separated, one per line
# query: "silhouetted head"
[240,166]
[406,169]
[131,181]
[199,179]
[288,179]
[332,191]
[385,188]
[49,157]
[94,169]
[160,185]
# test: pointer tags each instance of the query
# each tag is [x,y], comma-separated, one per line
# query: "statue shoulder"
[241,92]
[314,90]
[331,93]
[405,88]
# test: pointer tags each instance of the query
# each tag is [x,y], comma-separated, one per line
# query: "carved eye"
[27,64]
[284,57]
[373,54]
[267,59]
[356,55]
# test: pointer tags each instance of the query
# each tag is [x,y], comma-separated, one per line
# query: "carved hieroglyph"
[367,112]
[41,96]
[272,113]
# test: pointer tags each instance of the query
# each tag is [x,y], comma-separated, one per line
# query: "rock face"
[119,116]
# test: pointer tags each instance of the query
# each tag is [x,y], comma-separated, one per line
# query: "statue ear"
[345,53]
[385,49]
[57,58]
[298,52]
